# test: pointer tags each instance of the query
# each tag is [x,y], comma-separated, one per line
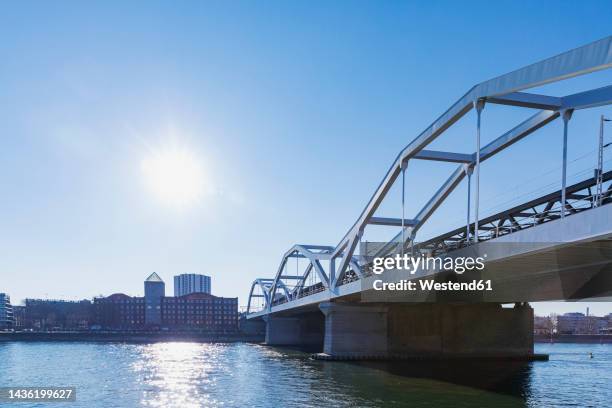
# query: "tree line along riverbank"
[575,338]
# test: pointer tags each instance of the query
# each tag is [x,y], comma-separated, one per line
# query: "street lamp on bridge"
[599,169]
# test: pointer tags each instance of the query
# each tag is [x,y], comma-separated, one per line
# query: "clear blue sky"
[294,109]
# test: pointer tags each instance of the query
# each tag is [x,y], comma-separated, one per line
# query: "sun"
[175,176]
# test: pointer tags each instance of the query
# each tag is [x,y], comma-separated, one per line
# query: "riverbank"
[130,337]
[153,337]
[576,338]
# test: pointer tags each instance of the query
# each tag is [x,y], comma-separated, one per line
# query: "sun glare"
[175,176]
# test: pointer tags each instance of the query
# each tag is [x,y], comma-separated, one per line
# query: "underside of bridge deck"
[349,330]
[305,330]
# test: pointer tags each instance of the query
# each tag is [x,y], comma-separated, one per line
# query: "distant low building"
[607,324]
[570,323]
[51,314]
[187,283]
[579,323]
[119,311]
[195,311]
[6,312]
[200,311]
[19,320]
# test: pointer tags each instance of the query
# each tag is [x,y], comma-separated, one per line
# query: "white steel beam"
[527,100]
[393,222]
[449,157]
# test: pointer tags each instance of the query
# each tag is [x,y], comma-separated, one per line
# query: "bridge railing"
[304,292]
[530,214]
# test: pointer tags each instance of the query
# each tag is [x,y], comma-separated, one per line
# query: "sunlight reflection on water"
[239,375]
[180,374]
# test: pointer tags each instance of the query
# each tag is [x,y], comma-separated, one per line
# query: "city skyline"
[93,118]
[135,294]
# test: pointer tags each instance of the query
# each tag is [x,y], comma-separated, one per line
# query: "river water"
[247,375]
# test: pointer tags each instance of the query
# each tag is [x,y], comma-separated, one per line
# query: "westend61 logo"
[411,264]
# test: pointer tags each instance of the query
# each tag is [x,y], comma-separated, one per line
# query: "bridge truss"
[334,266]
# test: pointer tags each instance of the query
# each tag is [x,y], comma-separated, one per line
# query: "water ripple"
[239,375]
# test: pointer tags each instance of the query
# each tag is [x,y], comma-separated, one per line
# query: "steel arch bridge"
[316,256]
[337,265]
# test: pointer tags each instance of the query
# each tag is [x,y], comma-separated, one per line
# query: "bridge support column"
[427,330]
[303,330]
[355,330]
[252,327]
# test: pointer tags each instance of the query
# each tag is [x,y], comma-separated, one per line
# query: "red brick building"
[202,311]
[48,314]
[119,311]
[196,311]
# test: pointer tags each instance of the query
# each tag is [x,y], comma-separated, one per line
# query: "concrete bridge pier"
[427,330]
[306,330]
[355,329]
